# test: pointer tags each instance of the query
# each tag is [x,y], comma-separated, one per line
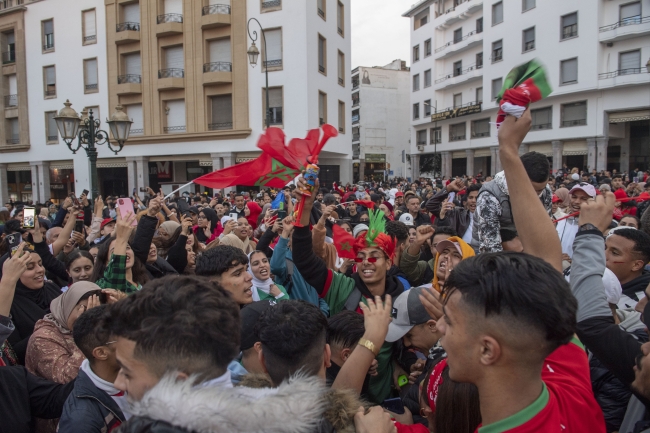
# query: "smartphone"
[79,226]
[28,217]
[125,206]
[635,180]
[142,189]
[134,191]
[75,200]
[282,214]
[452,195]
[85,192]
[394,405]
[13,240]
[233,215]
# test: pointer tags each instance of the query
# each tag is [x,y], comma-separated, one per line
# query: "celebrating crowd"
[514,303]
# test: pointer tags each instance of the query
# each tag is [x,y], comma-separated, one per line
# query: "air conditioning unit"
[421,148]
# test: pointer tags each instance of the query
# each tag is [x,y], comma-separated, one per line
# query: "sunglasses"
[369,259]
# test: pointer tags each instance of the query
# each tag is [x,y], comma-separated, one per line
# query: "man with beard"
[460,219]
[568,228]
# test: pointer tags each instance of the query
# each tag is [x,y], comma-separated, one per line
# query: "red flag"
[366,203]
[344,242]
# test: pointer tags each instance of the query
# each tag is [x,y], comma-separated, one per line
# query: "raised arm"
[64,236]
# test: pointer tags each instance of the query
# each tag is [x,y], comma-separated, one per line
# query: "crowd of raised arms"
[512,303]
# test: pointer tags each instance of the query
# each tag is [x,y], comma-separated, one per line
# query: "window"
[174,65]
[342,117]
[427,107]
[49,81]
[51,132]
[481,128]
[527,5]
[436,135]
[569,71]
[130,17]
[13,131]
[356,117]
[321,8]
[322,108]
[479,25]
[90,76]
[341,68]
[458,35]
[497,51]
[528,39]
[479,95]
[132,67]
[421,19]
[175,117]
[457,132]
[276,106]
[322,55]
[479,60]
[48,35]
[95,110]
[221,112]
[340,18]
[497,13]
[135,113]
[9,56]
[574,114]
[173,9]
[458,68]
[416,53]
[355,99]
[11,99]
[416,82]
[273,58]
[427,78]
[458,100]
[630,13]
[542,118]
[416,111]
[569,26]
[89,27]
[422,137]
[629,62]
[496,87]
[427,48]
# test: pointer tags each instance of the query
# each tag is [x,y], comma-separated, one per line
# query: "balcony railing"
[123,27]
[473,32]
[356,118]
[497,55]
[50,92]
[273,63]
[437,140]
[90,38]
[456,73]
[576,122]
[129,78]
[529,46]
[217,67]
[48,46]
[356,137]
[174,129]
[341,81]
[219,126]
[8,57]
[340,30]
[321,13]
[480,134]
[271,4]
[52,138]
[355,85]
[276,116]
[11,101]
[90,87]
[170,18]
[15,140]
[541,126]
[570,31]
[356,102]
[171,73]
[628,71]
[457,137]
[216,9]
[625,22]
[138,131]
[321,68]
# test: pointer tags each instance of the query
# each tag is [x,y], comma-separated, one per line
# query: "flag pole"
[178,189]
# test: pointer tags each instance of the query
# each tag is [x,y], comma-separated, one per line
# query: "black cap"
[250,314]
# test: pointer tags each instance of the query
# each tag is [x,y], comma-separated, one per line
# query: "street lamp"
[86,130]
[253,53]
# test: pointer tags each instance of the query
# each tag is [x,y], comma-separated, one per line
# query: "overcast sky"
[379,32]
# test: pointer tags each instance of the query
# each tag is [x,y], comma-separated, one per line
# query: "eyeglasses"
[369,259]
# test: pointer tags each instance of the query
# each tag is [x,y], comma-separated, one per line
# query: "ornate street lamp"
[253,54]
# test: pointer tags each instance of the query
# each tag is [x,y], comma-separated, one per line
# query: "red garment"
[567,403]
[413,428]
[256,210]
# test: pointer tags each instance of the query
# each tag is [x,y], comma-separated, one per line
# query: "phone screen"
[394,405]
[452,195]
[79,226]
[28,217]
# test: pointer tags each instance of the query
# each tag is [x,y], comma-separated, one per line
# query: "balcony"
[127,32]
[356,137]
[219,126]
[628,28]
[276,116]
[137,131]
[270,5]
[355,85]
[49,46]
[341,82]
[217,73]
[11,101]
[169,24]
[129,84]
[8,57]
[356,101]
[623,78]
[470,40]
[215,16]
[458,77]
[480,134]
[462,10]
[174,129]
[459,137]
[50,93]
[321,13]
[356,118]
[172,78]
[577,122]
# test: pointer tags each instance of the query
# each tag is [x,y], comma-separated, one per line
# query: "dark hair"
[473,187]
[536,166]
[217,260]
[397,230]
[457,407]
[641,241]
[445,231]
[77,254]
[138,270]
[239,194]
[293,336]
[634,217]
[617,176]
[88,332]
[329,199]
[182,323]
[345,329]
[491,285]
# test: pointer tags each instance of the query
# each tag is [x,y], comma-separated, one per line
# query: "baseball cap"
[408,311]
[399,194]
[556,199]
[249,316]
[106,221]
[443,245]
[586,187]
[575,176]
[407,219]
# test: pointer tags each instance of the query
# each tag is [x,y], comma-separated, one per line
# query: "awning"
[629,116]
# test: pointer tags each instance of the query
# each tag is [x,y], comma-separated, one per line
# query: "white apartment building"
[181,71]
[381,121]
[596,54]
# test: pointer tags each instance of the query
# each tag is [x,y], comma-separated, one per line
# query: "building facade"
[596,55]
[380,121]
[181,71]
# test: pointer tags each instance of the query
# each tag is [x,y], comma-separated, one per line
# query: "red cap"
[106,221]
[620,193]
[434,383]
[556,199]
[399,194]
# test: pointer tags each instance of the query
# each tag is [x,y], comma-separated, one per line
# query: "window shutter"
[275,98]
[51,125]
[273,44]
[321,52]
[13,86]
[91,71]
[458,100]
[89,23]
[174,57]
[133,65]
[220,50]
[529,35]
[482,127]
[50,76]
[570,20]
[11,38]
[497,13]
[570,71]
[15,128]
[630,11]
[496,87]
[134,112]
[173,6]
[574,112]
[222,109]
[48,27]
[529,4]
[541,117]
[132,13]
[219,2]
[630,60]
[176,116]
[479,95]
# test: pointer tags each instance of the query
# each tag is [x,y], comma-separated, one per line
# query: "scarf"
[563,194]
[255,211]
[467,252]
[118,396]
[263,285]
[62,306]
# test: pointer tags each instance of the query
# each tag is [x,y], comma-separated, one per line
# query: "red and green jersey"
[567,403]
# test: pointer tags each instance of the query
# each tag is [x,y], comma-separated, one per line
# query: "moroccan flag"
[523,85]
[365,203]
[344,242]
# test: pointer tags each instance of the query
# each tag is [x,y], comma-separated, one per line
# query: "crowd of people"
[492,304]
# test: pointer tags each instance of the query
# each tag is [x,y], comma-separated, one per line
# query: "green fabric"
[521,417]
[577,342]
[264,296]
[413,267]
[533,70]
[115,276]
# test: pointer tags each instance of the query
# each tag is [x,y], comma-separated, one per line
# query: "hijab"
[62,306]
[255,211]
[263,285]
[170,227]
[212,217]
[563,195]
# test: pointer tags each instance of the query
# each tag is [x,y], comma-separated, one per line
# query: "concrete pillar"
[524,148]
[469,171]
[142,170]
[601,157]
[415,166]
[494,152]
[40,181]
[4,185]
[625,157]
[131,175]
[35,197]
[591,154]
[558,149]
[446,164]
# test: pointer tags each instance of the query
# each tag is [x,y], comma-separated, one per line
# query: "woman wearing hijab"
[209,227]
[565,200]
[263,286]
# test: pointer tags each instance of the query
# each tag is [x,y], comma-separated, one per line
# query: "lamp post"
[253,54]
[86,130]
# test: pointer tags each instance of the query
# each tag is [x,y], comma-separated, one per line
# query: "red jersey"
[567,403]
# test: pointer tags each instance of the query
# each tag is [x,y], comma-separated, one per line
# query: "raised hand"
[14,267]
[455,186]
[99,206]
[155,204]
[598,211]
[423,233]
[513,131]
[430,298]
[186,226]
[124,225]
[287,226]
[112,295]
[376,317]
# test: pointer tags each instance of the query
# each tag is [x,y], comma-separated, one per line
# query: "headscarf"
[62,306]
[170,227]
[467,252]
[255,211]
[563,195]
[212,217]
[263,285]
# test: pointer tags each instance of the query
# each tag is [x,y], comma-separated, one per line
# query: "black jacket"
[639,284]
[458,218]
[140,246]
